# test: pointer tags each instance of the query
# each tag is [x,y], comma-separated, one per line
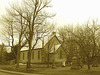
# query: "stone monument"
[74,64]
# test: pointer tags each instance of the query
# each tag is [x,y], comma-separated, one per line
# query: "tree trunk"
[18,52]
[18,57]
[48,60]
[29,56]
[29,53]
[48,54]
[88,64]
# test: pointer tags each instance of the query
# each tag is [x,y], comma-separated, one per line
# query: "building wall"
[24,56]
[35,56]
[48,47]
[59,56]
[54,57]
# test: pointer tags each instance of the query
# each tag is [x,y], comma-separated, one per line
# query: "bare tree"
[36,18]
[68,42]
[29,17]
[86,36]
[9,31]
[15,24]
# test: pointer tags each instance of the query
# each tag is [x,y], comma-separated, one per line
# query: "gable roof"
[56,48]
[46,40]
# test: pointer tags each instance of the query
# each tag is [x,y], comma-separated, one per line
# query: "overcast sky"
[73,11]
[67,11]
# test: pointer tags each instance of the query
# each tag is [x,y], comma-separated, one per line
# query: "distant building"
[49,45]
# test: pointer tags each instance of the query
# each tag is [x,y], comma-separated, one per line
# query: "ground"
[57,71]
[2,73]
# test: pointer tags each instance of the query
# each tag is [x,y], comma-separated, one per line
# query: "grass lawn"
[57,71]
[73,73]
[67,71]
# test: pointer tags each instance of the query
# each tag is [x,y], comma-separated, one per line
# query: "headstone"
[63,63]
[74,63]
[95,62]
[79,62]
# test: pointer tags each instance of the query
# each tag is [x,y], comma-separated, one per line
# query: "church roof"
[44,41]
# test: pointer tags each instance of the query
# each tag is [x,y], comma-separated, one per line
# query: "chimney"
[53,33]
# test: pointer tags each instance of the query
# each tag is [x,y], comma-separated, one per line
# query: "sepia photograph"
[49,37]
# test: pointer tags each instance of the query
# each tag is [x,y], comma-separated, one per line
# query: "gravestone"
[95,62]
[79,62]
[63,64]
[74,64]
